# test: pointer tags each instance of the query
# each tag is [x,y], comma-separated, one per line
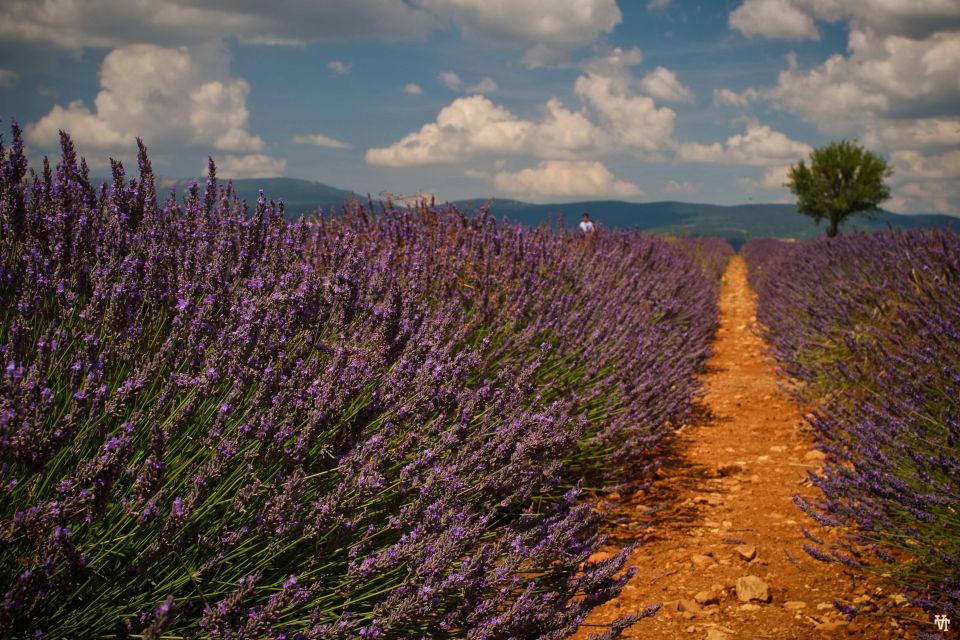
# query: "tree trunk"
[832,229]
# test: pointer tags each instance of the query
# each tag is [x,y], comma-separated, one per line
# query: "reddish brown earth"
[727,489]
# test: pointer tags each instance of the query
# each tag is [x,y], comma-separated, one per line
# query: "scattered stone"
[747,551]
[688,605]
[794,605]
[763,458]
[752,588]
[707,596]
[726,524]
[613,496]
[779,448]
[900,599]
[690,629]
[600,556]
[749,607]
[730,469]
[671,606]
[716,634]
[700,561]
[814,455]
[823,606]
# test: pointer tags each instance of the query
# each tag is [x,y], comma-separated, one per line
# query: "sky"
[536,100]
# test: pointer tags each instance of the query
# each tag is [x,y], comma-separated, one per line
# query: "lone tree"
[842,179]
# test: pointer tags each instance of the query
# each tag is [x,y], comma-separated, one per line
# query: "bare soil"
[724,493]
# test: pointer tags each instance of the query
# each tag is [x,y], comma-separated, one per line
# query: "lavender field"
[215,422]
[391,422]
[869,326]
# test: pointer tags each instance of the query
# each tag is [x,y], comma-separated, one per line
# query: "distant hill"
[735,223]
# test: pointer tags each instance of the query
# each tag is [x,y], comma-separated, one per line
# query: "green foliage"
[842,179]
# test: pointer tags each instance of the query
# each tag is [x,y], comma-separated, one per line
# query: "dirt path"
[729,513]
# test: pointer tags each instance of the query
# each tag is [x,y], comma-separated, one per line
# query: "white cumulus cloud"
[662,84]
[773,19]
[922,133]
[249,165]
[613,118]
[559,25]
[614,63]
[773,178]
[320,140]
[485,85]
[925,181]
[794,19]
[170,97]
[564,179]
[674,187]
[451,80]
[549,25]
[634,121]
[339,67]
[71,25]
[759,146]
[413,89]
[730,98]
[891,76]
[465,126]
[473,125]
[911,164]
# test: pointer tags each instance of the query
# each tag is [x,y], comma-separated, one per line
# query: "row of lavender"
[871,325]
[216,422]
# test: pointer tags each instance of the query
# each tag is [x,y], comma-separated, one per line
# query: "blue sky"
[540,100]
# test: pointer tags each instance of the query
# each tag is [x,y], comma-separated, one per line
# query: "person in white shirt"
[586,224]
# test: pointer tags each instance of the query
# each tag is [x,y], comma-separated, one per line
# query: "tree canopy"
[842,179]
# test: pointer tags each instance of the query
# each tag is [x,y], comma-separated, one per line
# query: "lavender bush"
[761,254]
[215,422]
[870,324]
[709,253]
